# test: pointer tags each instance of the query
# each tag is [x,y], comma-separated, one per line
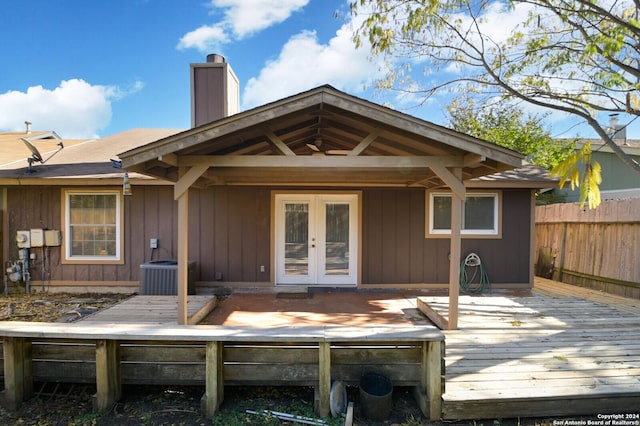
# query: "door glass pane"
[337,239]
[296,240]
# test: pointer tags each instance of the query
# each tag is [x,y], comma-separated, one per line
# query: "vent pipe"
[216,58]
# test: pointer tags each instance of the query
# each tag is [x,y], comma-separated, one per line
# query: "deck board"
[563,351]
[153,309]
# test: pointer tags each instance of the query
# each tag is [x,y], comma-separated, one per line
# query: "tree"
[511,128]
[579,57]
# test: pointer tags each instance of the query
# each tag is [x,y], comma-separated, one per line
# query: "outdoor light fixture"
[126,186]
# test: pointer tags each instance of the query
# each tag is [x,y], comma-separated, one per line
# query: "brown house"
[318,189]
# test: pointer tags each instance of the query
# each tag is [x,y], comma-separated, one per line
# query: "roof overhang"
[322,137]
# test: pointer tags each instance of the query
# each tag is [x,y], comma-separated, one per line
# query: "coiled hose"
[479,280]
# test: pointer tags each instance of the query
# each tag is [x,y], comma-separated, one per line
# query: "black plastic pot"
[376,393]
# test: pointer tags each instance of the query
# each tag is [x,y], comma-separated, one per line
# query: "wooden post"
[563,248]
[214,380]
[18,377]
[324,379]
[108,375]
[183,256]
[181,194]
[433,385]
[428,394]
[454,262]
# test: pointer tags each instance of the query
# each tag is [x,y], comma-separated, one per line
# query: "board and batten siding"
[230,237]
[396,252]
[229,233]
[150,213]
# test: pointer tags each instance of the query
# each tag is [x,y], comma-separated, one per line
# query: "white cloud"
[204,38]
[74,109]
[242,18]
[246,17]
[304,63]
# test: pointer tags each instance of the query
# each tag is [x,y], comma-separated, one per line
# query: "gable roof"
[292,141]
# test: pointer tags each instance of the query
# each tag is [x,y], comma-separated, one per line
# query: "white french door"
[316,238]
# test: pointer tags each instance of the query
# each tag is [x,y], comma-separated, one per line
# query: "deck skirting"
[111,355]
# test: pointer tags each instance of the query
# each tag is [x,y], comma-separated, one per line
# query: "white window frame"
[495,232]
[67,257]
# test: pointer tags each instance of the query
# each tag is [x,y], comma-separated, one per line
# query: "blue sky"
[95,68]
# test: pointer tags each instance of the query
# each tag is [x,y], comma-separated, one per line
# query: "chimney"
[617,130]
[215,91]
[28,124]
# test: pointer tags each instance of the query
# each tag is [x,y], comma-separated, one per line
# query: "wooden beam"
[170,159]
[433,315]
[473,159]
[188,179]
[18,376]
[451,180]
[108,375]
[221,128]
[454,262]
[364,143]
[279,144]
[183,256]
[331,161]
[214,379]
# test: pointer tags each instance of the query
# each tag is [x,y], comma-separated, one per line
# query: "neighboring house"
[618,180]
[317,189]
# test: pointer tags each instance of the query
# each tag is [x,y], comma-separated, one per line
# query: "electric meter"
[23,239]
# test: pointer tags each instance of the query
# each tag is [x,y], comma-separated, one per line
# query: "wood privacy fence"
[598,249]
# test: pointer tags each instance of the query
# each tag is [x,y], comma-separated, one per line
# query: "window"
[480,214]
[93,231]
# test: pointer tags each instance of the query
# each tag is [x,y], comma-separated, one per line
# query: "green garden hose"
[479,280]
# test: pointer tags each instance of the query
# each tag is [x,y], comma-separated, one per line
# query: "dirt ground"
[153,405]
[55,307]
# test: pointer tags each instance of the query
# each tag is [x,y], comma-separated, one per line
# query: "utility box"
[52,237]
[160,277]
[37,238]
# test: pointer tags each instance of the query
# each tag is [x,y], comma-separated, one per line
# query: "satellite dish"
[36,157]
[35,154]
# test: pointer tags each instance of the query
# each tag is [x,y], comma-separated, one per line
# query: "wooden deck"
[154,309]
[563,351]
